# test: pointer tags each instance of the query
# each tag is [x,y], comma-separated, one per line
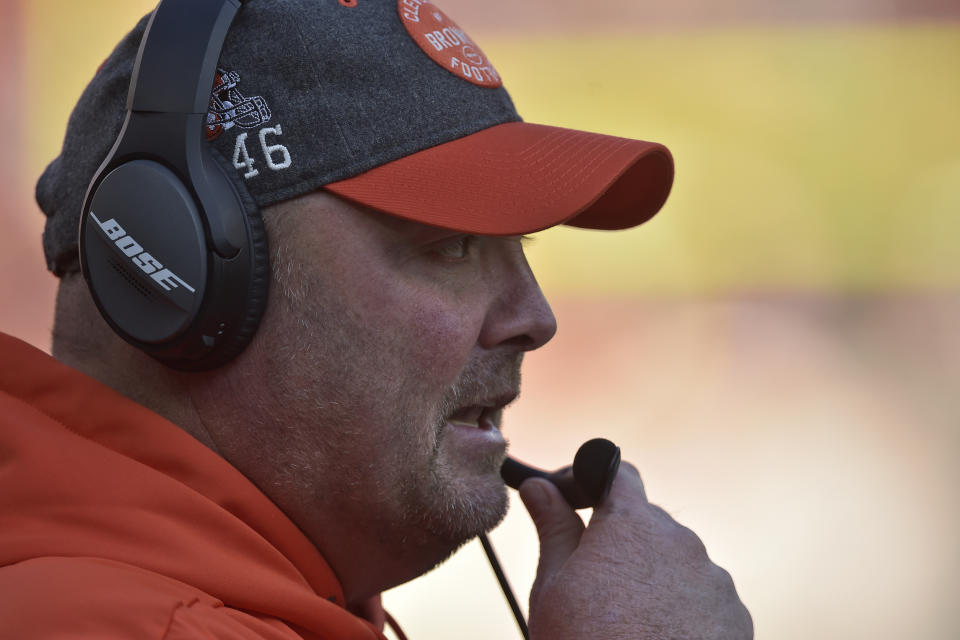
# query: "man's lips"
[484,414]
[474,416]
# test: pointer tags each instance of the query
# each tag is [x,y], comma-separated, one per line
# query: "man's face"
[386,355]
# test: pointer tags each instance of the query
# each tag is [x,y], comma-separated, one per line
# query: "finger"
[558,526]
[626,494]
[628,483]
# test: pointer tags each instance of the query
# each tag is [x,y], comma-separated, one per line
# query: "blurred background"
[777,351]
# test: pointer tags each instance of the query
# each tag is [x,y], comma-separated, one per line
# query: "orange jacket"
[115,523]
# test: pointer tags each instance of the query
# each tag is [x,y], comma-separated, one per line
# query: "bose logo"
[147,263]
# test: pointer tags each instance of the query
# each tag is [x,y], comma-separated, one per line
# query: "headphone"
[172,245]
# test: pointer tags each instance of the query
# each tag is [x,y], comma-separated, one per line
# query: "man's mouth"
[473,416]
[484,415]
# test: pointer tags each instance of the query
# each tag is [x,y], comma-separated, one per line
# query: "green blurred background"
[777,350]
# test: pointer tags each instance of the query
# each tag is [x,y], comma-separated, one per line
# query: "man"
[354,443]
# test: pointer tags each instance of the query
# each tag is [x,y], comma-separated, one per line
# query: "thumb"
[558,526]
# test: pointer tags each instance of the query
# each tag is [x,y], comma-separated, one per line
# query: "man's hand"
[633,573]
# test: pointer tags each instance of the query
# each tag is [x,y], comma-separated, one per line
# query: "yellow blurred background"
[777,351]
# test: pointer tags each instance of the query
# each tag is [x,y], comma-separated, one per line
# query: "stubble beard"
[454,505]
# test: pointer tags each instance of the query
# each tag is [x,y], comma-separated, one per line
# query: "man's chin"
[464,512]
[449,510]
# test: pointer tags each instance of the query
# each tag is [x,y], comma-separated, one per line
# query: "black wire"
[505,586]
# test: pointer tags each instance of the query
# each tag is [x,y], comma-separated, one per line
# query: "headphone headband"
[175,72]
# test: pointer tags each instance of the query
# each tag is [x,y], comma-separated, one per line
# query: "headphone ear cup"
[181,300]
[255,302]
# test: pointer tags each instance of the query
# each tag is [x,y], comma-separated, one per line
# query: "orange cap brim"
[518,178]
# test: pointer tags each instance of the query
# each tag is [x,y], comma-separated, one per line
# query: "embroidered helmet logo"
[229,107]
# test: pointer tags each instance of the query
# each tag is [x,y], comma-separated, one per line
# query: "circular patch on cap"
[446,43]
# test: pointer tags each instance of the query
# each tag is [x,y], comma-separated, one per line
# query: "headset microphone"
[585,483]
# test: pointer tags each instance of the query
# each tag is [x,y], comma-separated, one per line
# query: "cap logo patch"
[229,107]
[446,43]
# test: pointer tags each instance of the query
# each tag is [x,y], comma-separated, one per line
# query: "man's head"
[395,180]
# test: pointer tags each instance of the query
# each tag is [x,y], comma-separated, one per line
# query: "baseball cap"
[387,103]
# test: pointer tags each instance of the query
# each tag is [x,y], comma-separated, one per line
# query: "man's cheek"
[444,338]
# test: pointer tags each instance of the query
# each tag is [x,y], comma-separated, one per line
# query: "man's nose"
[520,316]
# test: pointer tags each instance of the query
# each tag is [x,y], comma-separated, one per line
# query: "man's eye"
[455,248]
